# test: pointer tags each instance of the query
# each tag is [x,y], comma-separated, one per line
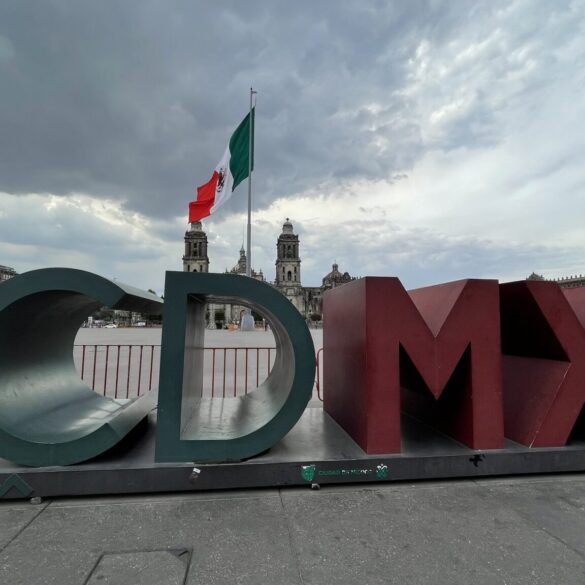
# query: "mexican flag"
[231,170]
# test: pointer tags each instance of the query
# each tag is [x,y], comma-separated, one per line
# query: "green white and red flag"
[231,170]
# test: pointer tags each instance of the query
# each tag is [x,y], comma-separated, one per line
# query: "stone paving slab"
[14,518]
[142,568]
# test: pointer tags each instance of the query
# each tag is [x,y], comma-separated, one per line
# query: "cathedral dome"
[335,278]
[333,275]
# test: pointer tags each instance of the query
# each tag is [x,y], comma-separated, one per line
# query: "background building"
[307,299]
[233,313]
[6,272]
[563,282]
[241,266]
[195,258]
[288,267]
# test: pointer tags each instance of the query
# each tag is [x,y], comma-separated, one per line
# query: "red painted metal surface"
[543,342]
[318,386]
[441,343]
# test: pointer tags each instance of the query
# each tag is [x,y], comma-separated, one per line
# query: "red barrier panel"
[318,370]
[543,342]
[443,342]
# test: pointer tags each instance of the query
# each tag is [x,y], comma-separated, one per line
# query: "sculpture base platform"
[316,451]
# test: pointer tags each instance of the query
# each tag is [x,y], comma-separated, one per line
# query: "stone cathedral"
[287,279]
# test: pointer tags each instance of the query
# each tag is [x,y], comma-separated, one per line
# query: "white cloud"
[44,230]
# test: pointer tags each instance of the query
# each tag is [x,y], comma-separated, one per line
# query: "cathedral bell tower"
[288,262]
[195,258]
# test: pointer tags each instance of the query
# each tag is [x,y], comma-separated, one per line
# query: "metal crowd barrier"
[127,371]
[117,370]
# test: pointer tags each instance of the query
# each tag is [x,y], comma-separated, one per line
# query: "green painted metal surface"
[192,428]
[48,415]
[16,483]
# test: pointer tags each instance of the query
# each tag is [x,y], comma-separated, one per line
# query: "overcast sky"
[429,140]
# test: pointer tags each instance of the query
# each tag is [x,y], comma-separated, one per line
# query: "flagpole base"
[247,321]
[211,318]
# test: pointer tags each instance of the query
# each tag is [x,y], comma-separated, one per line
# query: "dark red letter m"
[433,352]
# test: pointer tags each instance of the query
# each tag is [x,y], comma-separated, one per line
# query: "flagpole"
[247,322]
[250,154]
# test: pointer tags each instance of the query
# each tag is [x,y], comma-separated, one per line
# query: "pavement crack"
[294,549]
[26,525]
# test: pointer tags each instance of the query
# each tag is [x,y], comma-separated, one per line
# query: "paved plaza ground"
[500,531]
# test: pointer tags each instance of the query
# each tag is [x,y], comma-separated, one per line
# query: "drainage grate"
[157,567]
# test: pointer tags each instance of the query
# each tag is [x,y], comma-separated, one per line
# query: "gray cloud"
[136,100]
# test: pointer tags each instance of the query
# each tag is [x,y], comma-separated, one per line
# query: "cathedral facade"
[306,299]
[564,282]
